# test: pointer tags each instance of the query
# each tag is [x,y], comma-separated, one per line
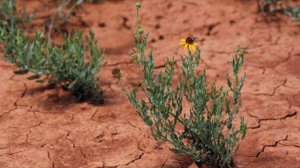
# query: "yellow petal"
[181,43]
[193,48]
[186,46]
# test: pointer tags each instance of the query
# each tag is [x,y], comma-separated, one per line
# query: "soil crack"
[12,153]
[74,144]
[271,146]
[118,63]
[132,161]
[273,92]
[292,114]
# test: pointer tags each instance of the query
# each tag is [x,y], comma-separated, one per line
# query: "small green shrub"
[57,22]
[277,6]
[9,13]
[207,133]
[72,65]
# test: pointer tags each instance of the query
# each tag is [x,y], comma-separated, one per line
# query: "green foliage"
[8,11]
[72,65]
[10,15]
[206,133]
[64,11]
[277,6]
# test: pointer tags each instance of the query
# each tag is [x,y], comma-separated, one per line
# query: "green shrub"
[207,133]
[72,65]
[277,6]
[9,13]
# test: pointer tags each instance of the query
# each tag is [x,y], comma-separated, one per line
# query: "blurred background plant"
[10,15]
[73,65]
[62,16]
[207,132]
[281,7]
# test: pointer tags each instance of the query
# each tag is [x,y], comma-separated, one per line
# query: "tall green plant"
[206,133]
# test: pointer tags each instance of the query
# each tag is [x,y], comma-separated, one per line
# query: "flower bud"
[140,30]
[138,5]
[116,72]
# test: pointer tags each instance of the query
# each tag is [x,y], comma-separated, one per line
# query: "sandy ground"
[48,129]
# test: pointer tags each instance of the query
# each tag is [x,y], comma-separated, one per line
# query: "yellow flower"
[189,43]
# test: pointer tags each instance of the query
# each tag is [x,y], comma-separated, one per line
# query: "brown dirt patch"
[47,129]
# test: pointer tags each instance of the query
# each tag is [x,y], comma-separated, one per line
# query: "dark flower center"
[190,40]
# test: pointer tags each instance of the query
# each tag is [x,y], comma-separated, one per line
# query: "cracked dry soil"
[43,128]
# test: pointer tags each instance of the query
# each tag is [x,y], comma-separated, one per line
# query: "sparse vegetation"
[207,132]
[278,6]
[73,65]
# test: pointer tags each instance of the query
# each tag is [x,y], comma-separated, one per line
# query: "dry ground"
[47,129]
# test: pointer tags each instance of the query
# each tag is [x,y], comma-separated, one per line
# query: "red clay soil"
[43,128]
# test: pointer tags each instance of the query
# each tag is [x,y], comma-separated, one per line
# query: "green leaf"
[21,71]
[40,81]
[33,77]
[229,82]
